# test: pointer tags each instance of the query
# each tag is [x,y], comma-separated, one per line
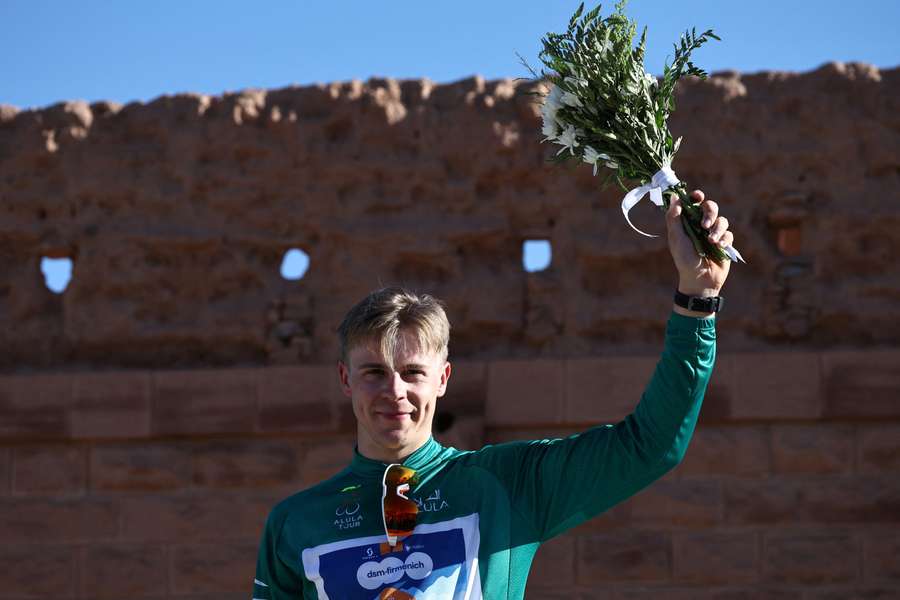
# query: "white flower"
[552,101]
[650,79]
[568,139]
[548,111]
[571,99]
[550,129]
[592,157]
[610,164]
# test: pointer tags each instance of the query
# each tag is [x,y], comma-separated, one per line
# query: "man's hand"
[698,276]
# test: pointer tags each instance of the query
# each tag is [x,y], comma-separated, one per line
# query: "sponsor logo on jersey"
[432,503]
[372,575]
[347,516]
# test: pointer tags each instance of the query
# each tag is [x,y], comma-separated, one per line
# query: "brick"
[37,571]
[879,448]
[791,388]
[747,592]
[812,448]
[547,593]
[28,519]
[862,384]
[882,555]
[832,500]
[467,389]
[5,471]
[201,402]
[500,436]
[325,458]
[720,392]
[626,556]
[49,469]
[45,392]
[126,467]
[855,593]
[605,390]
[299,398]
[113,571]
[813,558]
[714,557]
[246,463]
[790,241]
[616,518]
[742,451]
[464,405]
[554,563]
[684,503]
[195,517]
[209,568]
[525,392]
[35,406]
[466,433]
[111,405]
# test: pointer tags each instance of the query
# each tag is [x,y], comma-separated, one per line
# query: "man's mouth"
[395,415]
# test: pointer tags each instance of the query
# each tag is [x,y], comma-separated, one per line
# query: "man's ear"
[344,374]
[445,377]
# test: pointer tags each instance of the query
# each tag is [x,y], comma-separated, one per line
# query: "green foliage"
[606,101]
[625,111]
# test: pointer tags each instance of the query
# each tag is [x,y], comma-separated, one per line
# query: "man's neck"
[387,455]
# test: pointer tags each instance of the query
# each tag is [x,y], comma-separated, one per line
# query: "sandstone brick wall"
[153,413]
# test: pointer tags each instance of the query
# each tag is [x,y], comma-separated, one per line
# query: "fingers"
[674,208]
[727,239]
[718,229]
[717,226]
[710,212]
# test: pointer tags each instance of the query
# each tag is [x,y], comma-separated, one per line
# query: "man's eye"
[373,373]
[415,373]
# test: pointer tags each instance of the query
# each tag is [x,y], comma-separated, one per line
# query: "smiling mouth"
[395,416]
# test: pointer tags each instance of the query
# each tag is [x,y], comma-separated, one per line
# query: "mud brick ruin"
[152,413]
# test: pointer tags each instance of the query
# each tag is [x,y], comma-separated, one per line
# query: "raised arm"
[557,484]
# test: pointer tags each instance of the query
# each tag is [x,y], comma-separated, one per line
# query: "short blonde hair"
[382,316]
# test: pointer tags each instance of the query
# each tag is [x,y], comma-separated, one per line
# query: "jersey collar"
[368,467]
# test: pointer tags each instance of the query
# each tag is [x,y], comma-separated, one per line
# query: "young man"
[409,518]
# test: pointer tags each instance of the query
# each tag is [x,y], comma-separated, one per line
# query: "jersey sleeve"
[557,484]
[274,580]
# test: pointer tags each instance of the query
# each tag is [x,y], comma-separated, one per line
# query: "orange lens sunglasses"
[399,512]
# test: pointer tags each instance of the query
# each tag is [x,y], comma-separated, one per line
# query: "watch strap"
[710,304]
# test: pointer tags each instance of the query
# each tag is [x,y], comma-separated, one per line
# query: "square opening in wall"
[536,255]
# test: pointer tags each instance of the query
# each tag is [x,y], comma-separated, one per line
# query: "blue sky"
[123,51]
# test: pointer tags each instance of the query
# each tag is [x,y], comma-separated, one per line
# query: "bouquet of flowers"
[603,108]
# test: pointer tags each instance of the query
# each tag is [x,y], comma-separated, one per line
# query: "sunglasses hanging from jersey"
[399,512]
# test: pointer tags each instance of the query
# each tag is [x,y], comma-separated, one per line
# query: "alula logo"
[432,503]
[347,516]
[373,574]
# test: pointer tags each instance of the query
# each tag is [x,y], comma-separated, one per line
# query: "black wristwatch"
[710,305]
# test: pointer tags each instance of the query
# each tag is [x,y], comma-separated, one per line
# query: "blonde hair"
[384,315]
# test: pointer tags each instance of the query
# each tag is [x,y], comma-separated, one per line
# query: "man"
[409,518]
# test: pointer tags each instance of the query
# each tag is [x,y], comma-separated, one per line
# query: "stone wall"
[153,413]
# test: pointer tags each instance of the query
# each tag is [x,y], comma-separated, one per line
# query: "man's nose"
[397,386]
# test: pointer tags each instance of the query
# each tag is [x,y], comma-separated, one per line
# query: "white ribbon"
[661,180]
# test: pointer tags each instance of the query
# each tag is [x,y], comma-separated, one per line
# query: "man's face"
[394,405]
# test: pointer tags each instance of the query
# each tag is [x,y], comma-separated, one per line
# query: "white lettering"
[371,574]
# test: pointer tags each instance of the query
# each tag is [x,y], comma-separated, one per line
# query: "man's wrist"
[700,292]
[695,290]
